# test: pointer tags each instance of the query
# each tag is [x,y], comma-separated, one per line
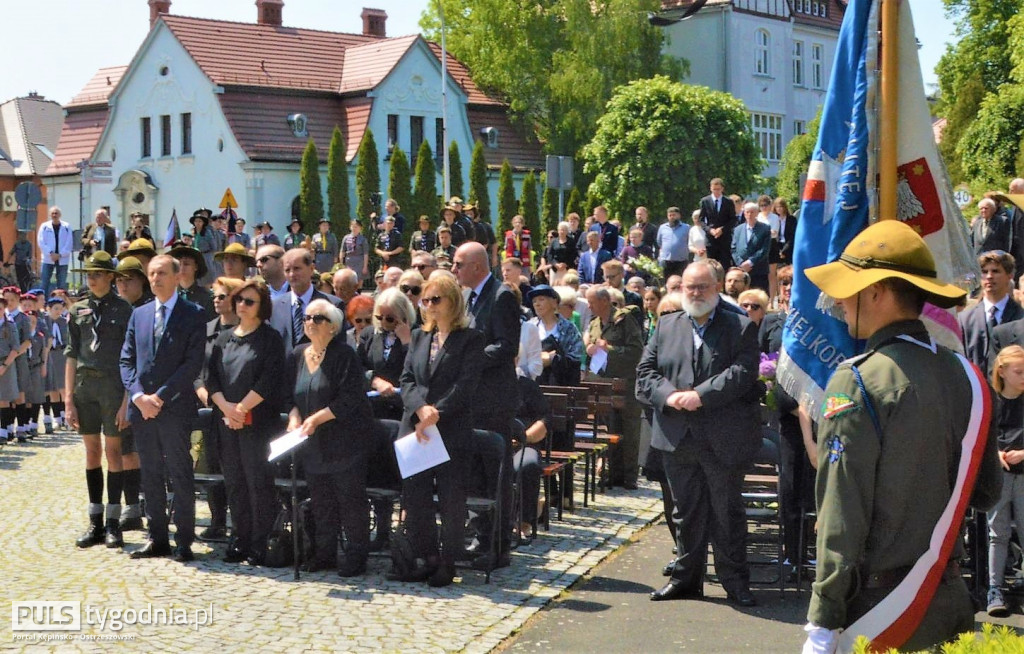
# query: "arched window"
[762,41]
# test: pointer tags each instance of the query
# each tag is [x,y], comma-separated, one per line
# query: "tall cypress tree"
[548,207]
[507,205]
[338,207]
[531,211]
[455,170]
[478,182]
[367,178]
[425,191]
[400,184]
[575,204]
[311,202]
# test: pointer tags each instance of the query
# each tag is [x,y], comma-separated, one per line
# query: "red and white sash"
[895,619]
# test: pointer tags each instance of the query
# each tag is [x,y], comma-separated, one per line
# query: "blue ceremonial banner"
[835,208]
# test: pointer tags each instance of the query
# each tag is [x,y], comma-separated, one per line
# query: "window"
[147,138]
[165,136]
[186,133]
[761,43]
[798,63]
[415,134]
[799,127]
[393,133]
[439,140]
[767,130]
[817,72]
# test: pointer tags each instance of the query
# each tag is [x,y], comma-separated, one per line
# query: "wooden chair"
[578,413]
[557,465]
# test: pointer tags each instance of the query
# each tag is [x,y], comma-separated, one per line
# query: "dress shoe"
[94,535]
[443,576]
[487,562]
[420,573]
[132,524]
[742,597]
[151,550]
[235,555]
[213,533]
[113,538]
[183,554]
[352,566]
[674,590]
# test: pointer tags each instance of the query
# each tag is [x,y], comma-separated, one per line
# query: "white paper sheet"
[284,444]
[598,361]
[415,457]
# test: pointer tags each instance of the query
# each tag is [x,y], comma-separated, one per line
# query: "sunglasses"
[420,267]
[750,305]
[266,258]
[405,288]
[317,318]
[247,301]
[785,283]
[435,300]
[220,297]
[388,319]
[361,321]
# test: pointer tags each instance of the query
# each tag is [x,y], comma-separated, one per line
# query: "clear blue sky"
[54,46]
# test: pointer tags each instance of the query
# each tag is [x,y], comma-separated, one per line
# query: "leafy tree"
[991,146]
[661,141]
[478,192]
[311,201]
[555,63]
[575,203]
[548,207]
[367,177]
[424,197]
[530,210]
[959,116]
[594,199]
[338,206]
[455,170]
[400,184]
[507,205]
[795,160]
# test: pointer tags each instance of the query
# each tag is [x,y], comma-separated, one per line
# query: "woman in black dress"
[329,404]
[246,366]
[439,382]
[561,254]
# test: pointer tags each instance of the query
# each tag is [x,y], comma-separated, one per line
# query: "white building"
[209,105]
[774,55]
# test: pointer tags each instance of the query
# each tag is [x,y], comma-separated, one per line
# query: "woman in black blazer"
[382,351]
[439,382]
[330,406]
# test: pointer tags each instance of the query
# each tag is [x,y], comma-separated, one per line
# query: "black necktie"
[472,300]
[992,321]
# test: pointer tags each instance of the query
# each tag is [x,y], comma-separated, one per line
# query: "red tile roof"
[98,89]
[368,64]
[78,139]
[460,74]
[513,145]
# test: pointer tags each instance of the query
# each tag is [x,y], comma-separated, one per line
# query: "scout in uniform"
[58,330]
[193,268]
[95,396]
[325,247]
[904,446]
[10,342]
[13,297]
[36,357]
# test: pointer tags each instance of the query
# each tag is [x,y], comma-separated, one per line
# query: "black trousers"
[527,466]
[339,504]
[625,459]
[163,444]
[216,494]
[721,250]
[418,502]
[708,507]
[500,422]
[249,481]
[796,485]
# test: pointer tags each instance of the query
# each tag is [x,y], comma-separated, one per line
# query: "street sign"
[962,196]
[559,172]
[228,201]
[28,195]
[26,219]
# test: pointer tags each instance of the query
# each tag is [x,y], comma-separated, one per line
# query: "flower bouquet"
[766,374]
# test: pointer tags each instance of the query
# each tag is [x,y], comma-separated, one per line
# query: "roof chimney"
[157,7]
[268,12]
[374,21]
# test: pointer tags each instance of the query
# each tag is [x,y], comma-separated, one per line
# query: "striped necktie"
[297,321]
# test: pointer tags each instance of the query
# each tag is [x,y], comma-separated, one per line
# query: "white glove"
[820,640]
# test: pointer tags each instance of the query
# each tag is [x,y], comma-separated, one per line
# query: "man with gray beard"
[699,372]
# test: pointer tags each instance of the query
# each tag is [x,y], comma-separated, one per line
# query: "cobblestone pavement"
[263,609]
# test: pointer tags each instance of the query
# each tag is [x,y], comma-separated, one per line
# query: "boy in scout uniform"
[904,446]
[95,398]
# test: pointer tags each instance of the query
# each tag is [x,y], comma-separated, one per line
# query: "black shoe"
[742,597]
[443,576]
[675,590]
[94,535]
[235,555]
[151,550]
[630,486]
[352,566]
[132,524]
[113,538]
[213,533]
[667,570]
[487,562]
[183,554]
[316,565]
[421,573]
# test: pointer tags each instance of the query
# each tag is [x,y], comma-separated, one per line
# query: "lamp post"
[444,105]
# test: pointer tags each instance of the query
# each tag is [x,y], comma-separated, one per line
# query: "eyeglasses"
[220,297]
[317,318]
[361,321]
[247,301]
[264,259]
[435,300]
[405,288]
[751,305]
[420,267]
[388,319]
[696,288]
[785,282]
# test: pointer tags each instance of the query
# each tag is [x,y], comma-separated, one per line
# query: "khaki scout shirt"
[625,344]
[879,498]
[103,321]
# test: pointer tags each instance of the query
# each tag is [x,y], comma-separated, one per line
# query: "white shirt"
[48,244]
[1000,308]
[479,289]
[530,364]
[306,297]
[274,294]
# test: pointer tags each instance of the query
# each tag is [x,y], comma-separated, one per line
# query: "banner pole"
[887,123]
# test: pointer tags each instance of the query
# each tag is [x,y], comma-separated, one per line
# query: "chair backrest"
[579,408]
[560,418]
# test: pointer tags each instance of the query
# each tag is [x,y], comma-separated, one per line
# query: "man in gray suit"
[996,307]
[698,373]
[288,308]
[990,231]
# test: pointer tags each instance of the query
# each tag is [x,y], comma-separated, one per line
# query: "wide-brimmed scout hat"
[887,249]
[128,265]
[238,250]
[142,246]
[97,262]
[179,250]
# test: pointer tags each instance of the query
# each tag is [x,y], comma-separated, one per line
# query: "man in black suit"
[288,308]
[608,231]
[493,310]
[996,307]
[787,235]
[751,241]
[698,373]
[718,217]
[1016,217]
[990,231]
[161,358]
